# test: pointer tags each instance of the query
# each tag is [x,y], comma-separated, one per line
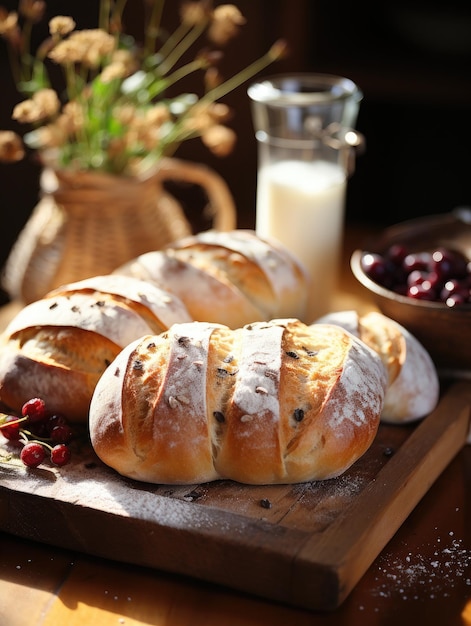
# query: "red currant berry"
[32,454]
[11,431]
[60,454]
[35,409]
[56,419]
[61,434]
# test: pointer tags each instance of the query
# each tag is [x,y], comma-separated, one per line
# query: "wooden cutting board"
[306,545]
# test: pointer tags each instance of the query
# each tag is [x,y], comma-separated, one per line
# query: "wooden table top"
[423,575]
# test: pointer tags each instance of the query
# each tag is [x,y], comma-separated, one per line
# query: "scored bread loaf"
[231,278]
[56,348]
[413,385]
[272,402]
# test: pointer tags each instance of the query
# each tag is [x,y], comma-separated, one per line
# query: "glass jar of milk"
[303,125]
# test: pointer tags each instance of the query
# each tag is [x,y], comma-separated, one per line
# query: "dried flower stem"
[275,52]
[14,64]
[185,70]
[152,31]
[104,17]
[26,70]
[178,49]
[119,9]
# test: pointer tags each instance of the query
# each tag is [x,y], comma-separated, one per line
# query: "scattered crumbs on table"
[432,571]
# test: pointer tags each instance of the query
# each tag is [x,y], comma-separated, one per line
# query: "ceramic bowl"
[445,332]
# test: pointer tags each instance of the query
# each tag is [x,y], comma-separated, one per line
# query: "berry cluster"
[40,433]
[440,275]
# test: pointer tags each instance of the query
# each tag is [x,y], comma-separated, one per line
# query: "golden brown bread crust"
[207,297]
[232,278]
[273,402]
[413,385]
[58,347]
[58,375]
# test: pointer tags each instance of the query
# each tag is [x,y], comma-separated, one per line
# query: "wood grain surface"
[307,544]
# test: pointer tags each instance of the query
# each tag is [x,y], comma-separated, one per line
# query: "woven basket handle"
[222,205]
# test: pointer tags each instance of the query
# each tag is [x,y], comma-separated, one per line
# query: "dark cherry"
[448,264]
[56,419]
[422,292]
[397,253]
[62,433]
[455,300]
[454,287]
[374,265]
[441,275]
[417,261]
[416,277]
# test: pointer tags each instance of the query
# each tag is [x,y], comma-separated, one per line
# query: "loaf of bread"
[272,402]
[57,348]
[413,384]
[231,278]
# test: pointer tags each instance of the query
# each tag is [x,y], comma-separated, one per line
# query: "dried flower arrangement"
[115,116]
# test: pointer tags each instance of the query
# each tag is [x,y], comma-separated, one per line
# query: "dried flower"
[11,147]
[212,78]
[88,47]
[117,117]
[157,115]
[61,25]
[26,112]
[72,118]
[114,71]
[32,10]
[8,23]
[43,105]
[195,12]
[125,113]
[219,139]
[47,101]
[225,24]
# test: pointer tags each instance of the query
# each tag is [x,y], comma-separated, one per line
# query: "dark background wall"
[411,59]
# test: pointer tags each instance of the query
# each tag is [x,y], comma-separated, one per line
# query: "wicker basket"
[89,223]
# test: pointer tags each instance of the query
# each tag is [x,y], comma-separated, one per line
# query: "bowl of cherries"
[418,273]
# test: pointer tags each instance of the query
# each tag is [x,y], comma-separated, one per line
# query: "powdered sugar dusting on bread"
[256,390]
[104,317]
[362,375]
[188,362]
[415,391]
[279,270]
[165,306]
